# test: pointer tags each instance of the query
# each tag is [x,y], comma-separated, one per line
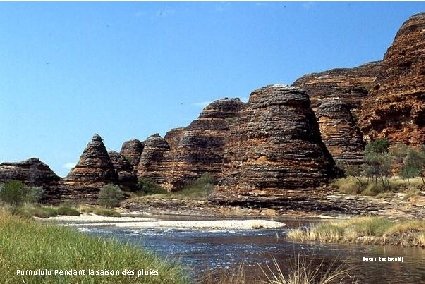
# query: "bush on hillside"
[110,196]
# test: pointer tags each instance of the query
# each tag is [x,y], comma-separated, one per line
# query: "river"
[218,250]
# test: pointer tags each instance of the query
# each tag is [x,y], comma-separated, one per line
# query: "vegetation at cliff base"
[386,168]
[26,245]
[110,196]
[364,230]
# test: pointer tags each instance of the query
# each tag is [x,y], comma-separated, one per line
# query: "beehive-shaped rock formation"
[155,162]
[340,133]
[275,145]
[200,147]
[94,169]
[132,150]
[126,177]
[349,85]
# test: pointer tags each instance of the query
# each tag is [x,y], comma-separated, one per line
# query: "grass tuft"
[376,230]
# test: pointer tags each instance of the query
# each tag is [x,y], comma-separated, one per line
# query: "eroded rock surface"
[33,172]
[349,85]
[132,150]
[275,145]
[155,162]
[396,107]
[188,152]
[126,177]
[93,170]
[200,147]
[340,133]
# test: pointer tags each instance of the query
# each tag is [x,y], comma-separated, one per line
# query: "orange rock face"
[275,145]
[132,150]
[184,154]
[396,107]
[33,172]
[339,132]
[155,162]
[349,85]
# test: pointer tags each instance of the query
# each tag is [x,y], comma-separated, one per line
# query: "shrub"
[413,164]
[378,165]
[34,194]
[106,212]
[67,211]
[349,185]
[147,186]
[110,196]
[200,188]
[379,146]
[13,192]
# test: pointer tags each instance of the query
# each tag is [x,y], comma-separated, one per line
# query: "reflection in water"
[226,249]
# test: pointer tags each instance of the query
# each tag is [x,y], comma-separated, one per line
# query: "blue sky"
[130,69]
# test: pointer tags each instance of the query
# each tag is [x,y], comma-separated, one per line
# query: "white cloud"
[69,165]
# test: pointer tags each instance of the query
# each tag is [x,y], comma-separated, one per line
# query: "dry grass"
[305,272]
[234,276]
[302,270]
[367,230]
[361,185]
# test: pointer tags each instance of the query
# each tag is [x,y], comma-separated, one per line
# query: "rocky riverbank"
[331,204]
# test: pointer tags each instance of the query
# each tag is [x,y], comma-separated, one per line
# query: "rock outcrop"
[396,107]
[275,145]
[132,150]
[126,177]
[93,170]
[200,147]
[336,98]
[340,133]
[186,153]
[155,162]
[33,172]
[349,85]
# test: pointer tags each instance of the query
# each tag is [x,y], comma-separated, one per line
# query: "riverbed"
[207,249]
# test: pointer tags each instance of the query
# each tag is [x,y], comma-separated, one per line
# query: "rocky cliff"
[350,85]
[275,145]
[33,172]
[395,108]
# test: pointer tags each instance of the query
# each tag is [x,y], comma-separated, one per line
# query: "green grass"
[99,210]
[28,245]
[376,230]
[42,211]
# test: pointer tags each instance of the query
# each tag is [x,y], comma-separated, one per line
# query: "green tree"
[379,146]
[413,164]
[34,194]
[377,161]
[147,186]
[110,196]
[13,192]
